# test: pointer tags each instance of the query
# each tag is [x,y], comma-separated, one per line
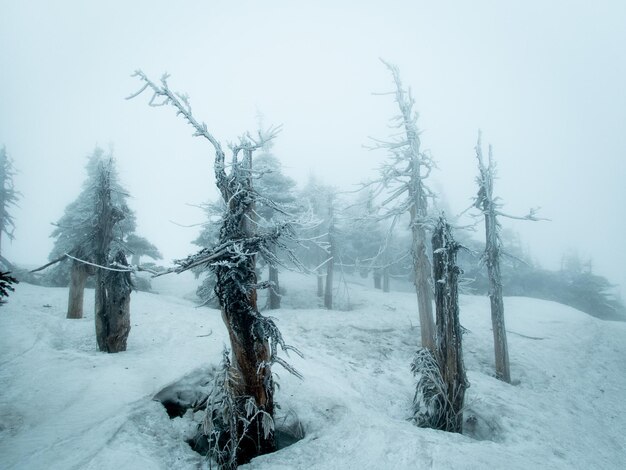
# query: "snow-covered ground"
[64,405]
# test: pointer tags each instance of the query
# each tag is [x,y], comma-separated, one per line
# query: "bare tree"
[489,206]
[404,177]
[449,333]
[254,338]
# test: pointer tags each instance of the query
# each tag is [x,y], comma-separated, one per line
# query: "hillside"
[65,405]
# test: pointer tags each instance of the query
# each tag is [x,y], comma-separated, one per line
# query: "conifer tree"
[8,196]
[74,232]
[278,188]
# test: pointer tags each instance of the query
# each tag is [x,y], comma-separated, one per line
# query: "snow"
[65,405]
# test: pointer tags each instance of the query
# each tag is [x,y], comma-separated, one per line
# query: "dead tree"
[107,216]
[404,177]
[449,351]
[489,207]
[115,323]
[254,338]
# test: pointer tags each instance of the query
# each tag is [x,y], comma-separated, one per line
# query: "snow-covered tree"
[489,206]
[402,181]
[6,285]
[74,232]
[274,186]
[113,284]
[363,237]
[441,379]
[208,238]
[8,195]
[332,252]
[320,239]
[449,336]
[241,424]
[139,246]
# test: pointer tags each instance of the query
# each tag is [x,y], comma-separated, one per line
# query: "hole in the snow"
[186,393]
[289,430]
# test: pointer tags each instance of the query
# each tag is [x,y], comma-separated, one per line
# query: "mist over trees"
[389,234]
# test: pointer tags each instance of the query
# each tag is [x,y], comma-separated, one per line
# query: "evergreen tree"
[316,251]
[6,285]
[8,195]
[272,185]
[139,246]
[74,232]
[209,238]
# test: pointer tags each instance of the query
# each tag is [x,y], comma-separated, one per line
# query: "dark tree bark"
[116,326]
[274,289]
[376,275]
[236,292]
[78,278]
[449,351]
[254,338]
[107,217]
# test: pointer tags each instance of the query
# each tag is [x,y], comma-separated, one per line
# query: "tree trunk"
[320,277]
[486,203]
[328,292]
[330,266]
[108,216]
[274,290]
[421,267]
[247,328]
[78,277]
[115,324]
[492,250]
[320,284]
[376,275]
[252,374]
[385,279]
[449,352]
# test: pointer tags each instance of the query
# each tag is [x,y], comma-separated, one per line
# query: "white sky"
[544,80]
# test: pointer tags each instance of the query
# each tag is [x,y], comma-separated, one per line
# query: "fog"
[545,81]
